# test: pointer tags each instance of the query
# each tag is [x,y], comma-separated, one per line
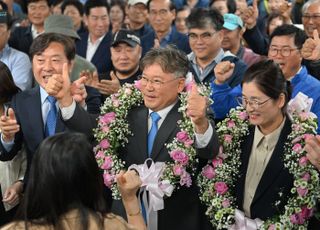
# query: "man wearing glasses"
[286,43]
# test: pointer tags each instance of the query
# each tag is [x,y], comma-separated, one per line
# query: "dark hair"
[78,5]
[4,6]
[291,31]
[64,175]
[32,1]
[121,5]
[171,5]
[8,21]
[93,4]
[269,79]
[272,16]
[7,87]
[56,2]
[43,41]
[200,18]
[231,5]
[183,8]
[171,60]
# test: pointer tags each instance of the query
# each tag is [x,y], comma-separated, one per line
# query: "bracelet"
[134,214]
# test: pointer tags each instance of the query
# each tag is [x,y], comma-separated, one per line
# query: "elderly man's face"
[311,19]
[49,62]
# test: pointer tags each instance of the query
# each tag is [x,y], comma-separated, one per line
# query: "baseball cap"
[126,36]
[133,2]
[232,21]
[5,17]
[60,24]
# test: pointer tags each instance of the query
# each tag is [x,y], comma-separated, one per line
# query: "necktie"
[153,131]
[51,117]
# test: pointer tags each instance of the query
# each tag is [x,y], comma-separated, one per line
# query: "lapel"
[164,132]
[33,119]
[246,151]
[82,45]
[275,165]
[101,51]
[141,132]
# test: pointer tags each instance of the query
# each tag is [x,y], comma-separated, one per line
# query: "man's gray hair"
[308,3]
[170,59]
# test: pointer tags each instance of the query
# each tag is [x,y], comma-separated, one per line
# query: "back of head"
[170,59]
[7,85]
[201,18]
[77,4]
[43,41]
[269,78]
[93,4]
[60,24]
[64,175]
[291,31]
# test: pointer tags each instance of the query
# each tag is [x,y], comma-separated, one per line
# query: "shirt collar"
[34,32]
[164,112]
[4,50]
[98,40]
[43,95]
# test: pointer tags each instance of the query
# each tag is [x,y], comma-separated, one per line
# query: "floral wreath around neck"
[218,177]
[113,131]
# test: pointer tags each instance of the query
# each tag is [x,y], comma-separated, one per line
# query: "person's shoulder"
[114,222]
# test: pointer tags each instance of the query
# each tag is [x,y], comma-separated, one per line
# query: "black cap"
[126,36]
[5,17]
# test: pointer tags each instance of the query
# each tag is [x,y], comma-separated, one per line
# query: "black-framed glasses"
[206,36]
[156,83]
[254,103]
[285,51]
[311,16]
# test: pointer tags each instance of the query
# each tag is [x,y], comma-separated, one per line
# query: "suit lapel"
[275,165]
[164,132]
[141,135]
[82,45]
[101,50]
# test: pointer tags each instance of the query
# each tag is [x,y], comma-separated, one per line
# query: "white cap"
[133,2]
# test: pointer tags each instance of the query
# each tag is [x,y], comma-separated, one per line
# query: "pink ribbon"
[245,223]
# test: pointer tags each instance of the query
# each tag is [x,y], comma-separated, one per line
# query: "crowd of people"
[66,68]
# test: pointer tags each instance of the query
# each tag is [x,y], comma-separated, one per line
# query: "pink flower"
[208,172]
[230,124]
[306,177]
[116,103]
[221,187]
[179,156]
[107,163]
[297,139]
[108,179]
[216,162]
[188,86]
[178,170]
[188,143]
[99,155]
[105,129]
[296,219]
[306,213]
[225,203]
[185,179]
[243,115]
[108,118]
[304,116]
[303,161]
[221,153]
[104,144]
[302,191]
[297,148]
[182,136]
[272,227]
[137,84]
[307,136]
[228,138]
[296,127]
[128,91]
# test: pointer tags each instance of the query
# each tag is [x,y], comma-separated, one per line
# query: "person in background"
[71,184]
[273,21]
[11,172]
[22,37]
[55,7]
[180,21]
[224,6]
[17,61]
[74,9]
[117,15]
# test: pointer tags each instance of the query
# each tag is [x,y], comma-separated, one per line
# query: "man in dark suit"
[22,37]
[95,44]
[163,78]
[161,16]
[33,114]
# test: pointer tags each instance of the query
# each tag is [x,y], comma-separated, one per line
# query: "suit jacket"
[183,209]
[275,178]
[27,108]
[178,39]
[21,39]
[102,57]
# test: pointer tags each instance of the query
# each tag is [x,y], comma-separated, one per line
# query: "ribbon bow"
[150,177]
[245,223]
[301,103]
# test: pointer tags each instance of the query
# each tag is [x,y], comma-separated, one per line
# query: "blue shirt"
[19,65]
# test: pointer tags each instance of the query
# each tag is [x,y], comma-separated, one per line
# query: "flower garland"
[113,131]
[218,178]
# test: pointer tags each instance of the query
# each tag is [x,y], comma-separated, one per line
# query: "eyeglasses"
[204,36]
[254,103]
[156,83]
[285,52]
[311,16]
